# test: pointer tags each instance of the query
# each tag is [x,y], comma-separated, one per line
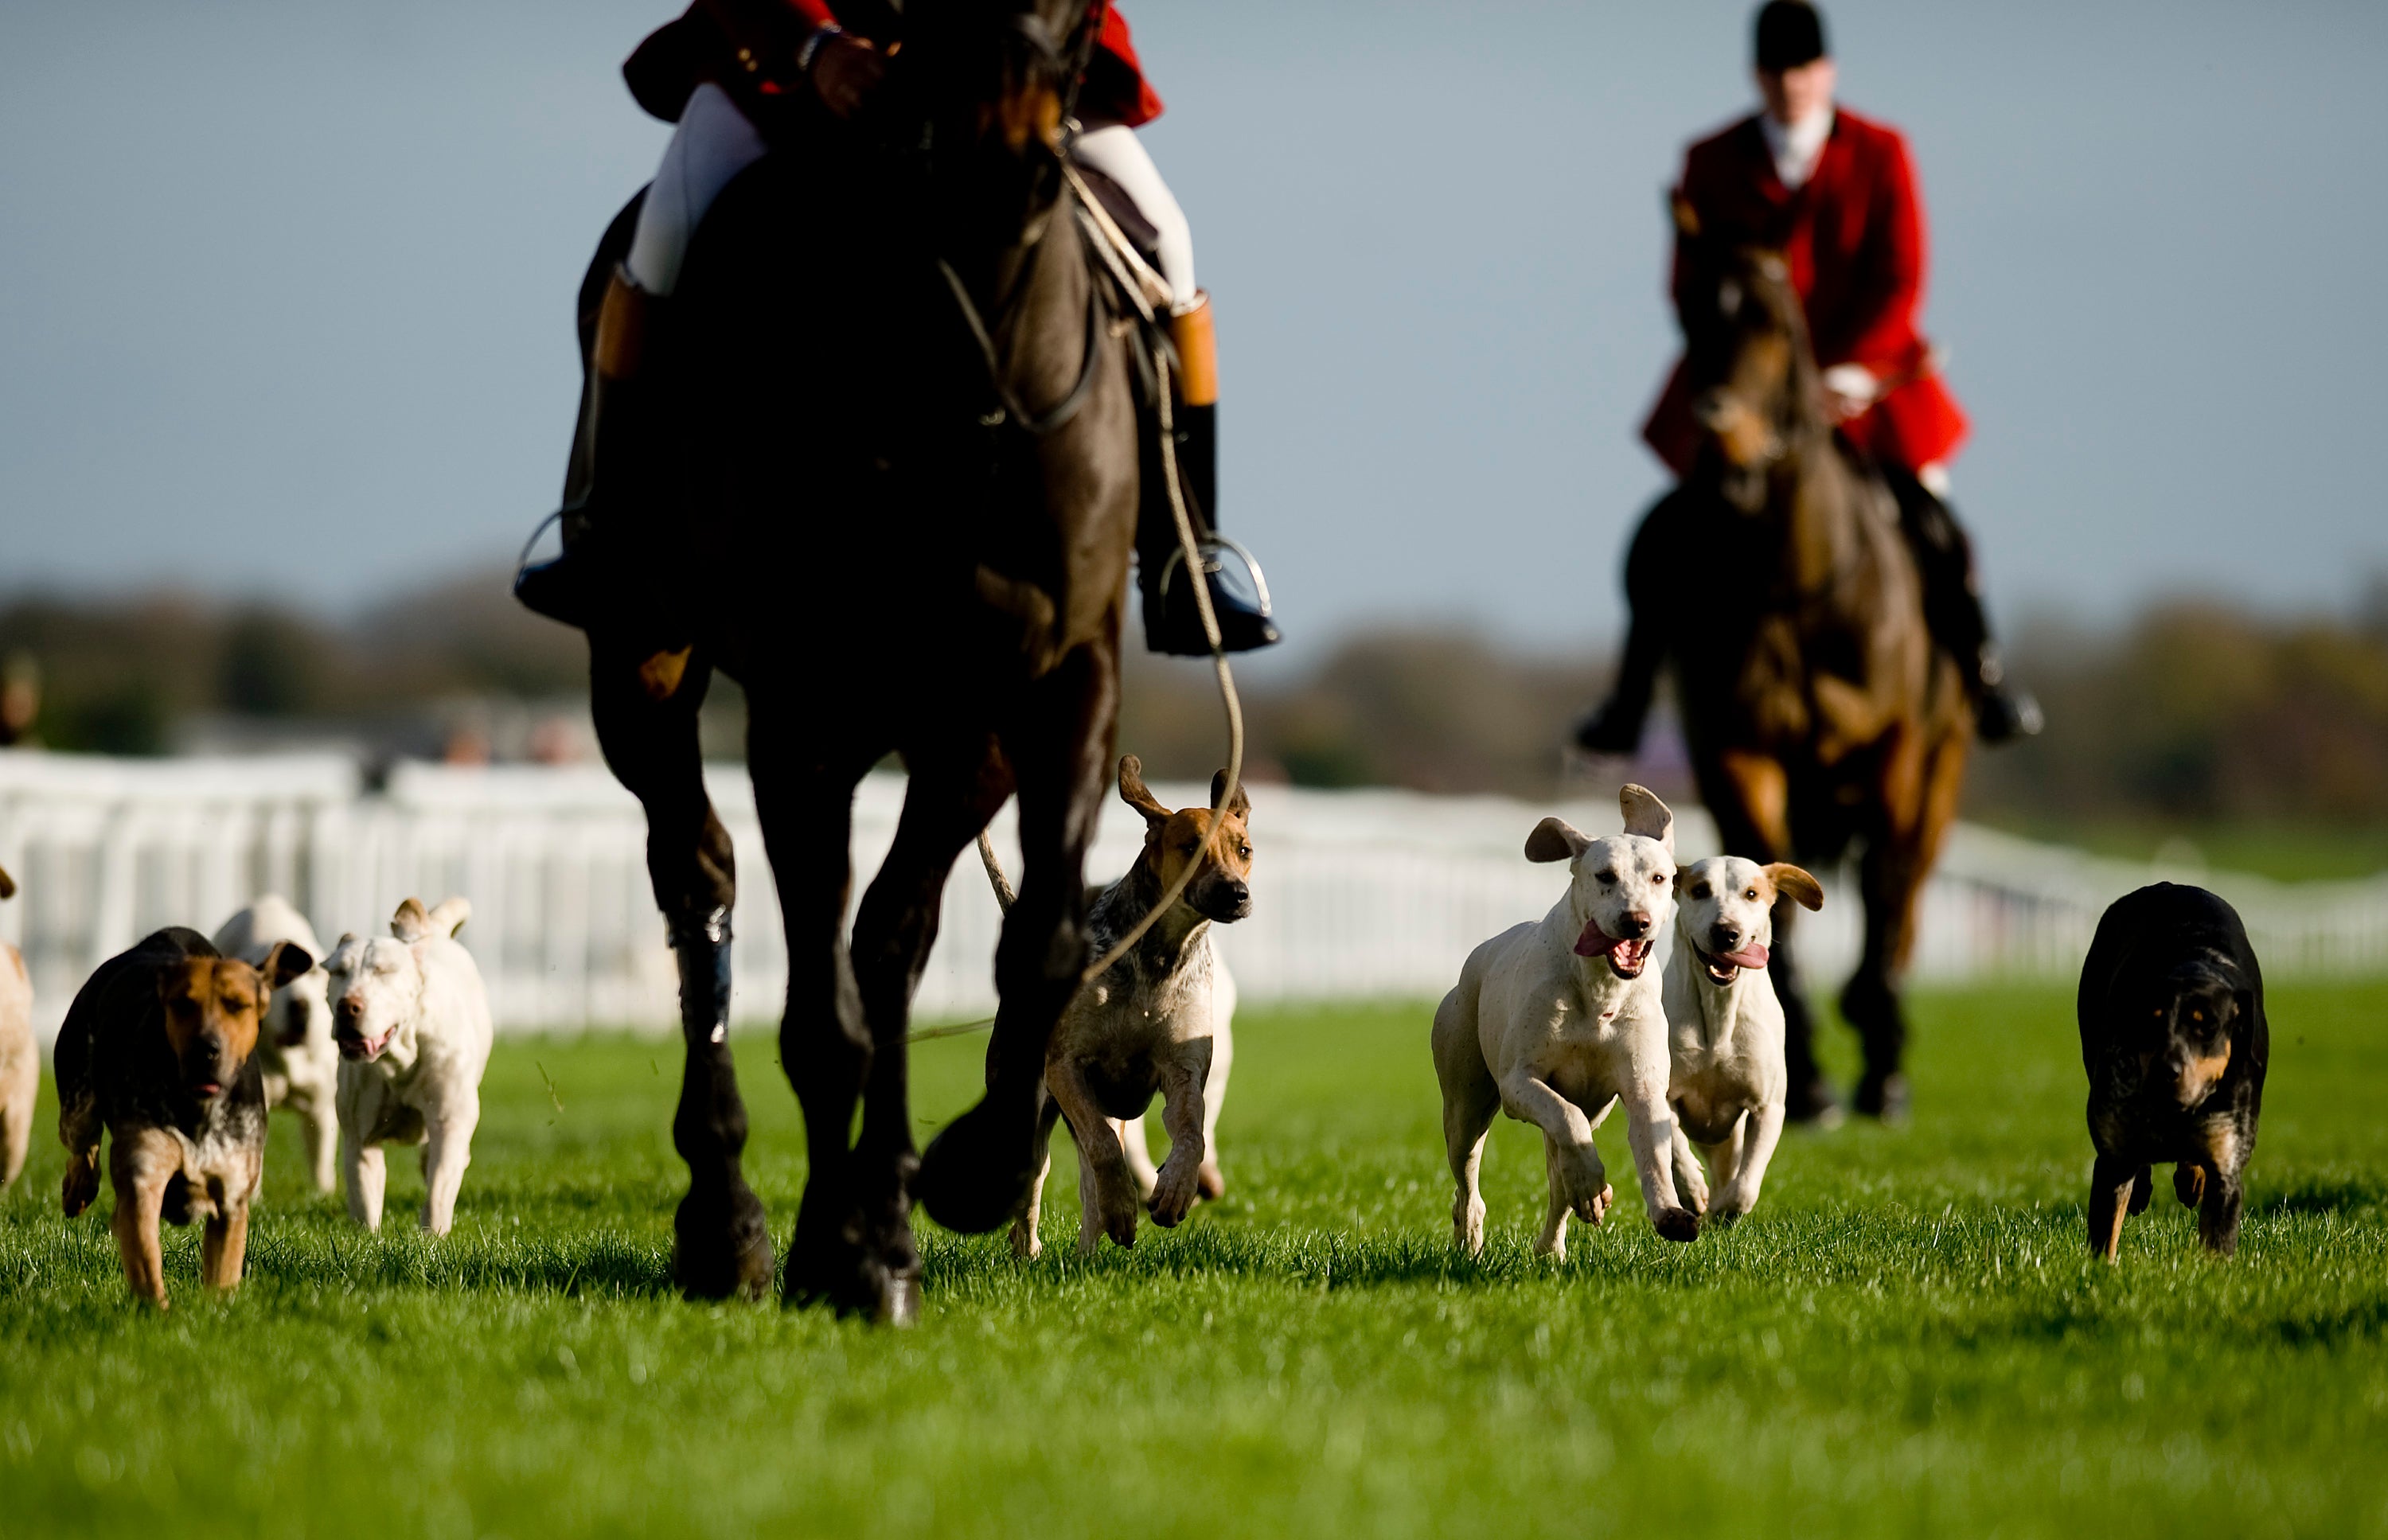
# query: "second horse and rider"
[1831,709]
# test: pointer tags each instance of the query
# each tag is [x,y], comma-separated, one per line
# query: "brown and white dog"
[1555,1021]
[411,1017]
[159,1052]
[1151,1023]
[21,1058]
[1727,1079]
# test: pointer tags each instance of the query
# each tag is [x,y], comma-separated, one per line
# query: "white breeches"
[1117,153]
[713,144]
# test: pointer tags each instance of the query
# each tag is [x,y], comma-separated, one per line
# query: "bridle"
[1031,29]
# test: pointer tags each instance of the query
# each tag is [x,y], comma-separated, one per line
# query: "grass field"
[1906,1338]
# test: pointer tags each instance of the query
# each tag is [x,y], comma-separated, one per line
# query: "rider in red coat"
[724,71]
[1836,193]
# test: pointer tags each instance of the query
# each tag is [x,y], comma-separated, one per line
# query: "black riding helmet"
[1790,33]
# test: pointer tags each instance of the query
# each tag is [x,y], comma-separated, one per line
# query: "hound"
[1727,1080]
[159,1052]
[412,1020]
[302,1068]
[21,1058]
[2174,1036]
[1151,1023]
[1555,1022]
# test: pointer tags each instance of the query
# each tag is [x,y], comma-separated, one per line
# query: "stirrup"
[1209,546]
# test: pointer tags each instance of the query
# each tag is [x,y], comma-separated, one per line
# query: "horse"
[905,458]
[1818,712]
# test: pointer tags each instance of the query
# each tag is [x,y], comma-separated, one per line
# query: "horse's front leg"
[645,712]
[1918,794]
[1749,796]
[977,1173]
[874,1267]
[805,800]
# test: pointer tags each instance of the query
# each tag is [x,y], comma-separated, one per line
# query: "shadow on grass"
[2344,1195]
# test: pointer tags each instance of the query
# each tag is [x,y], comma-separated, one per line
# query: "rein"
[1035,424]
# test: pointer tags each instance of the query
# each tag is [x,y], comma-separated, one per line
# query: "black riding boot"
[607,568]
[1615,727]
[1173,620]
[1953,609]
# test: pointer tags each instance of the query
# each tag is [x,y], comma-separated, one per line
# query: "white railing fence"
[1356,893]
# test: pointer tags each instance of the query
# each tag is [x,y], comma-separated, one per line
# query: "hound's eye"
[1657,881]
[1605,877]
[1750,894]
[1700,891]
[1244,852]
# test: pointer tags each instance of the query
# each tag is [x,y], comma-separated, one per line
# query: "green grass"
[2285,852]
[1906,1338]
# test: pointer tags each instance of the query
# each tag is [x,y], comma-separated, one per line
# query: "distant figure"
[1836,195]
[20,698]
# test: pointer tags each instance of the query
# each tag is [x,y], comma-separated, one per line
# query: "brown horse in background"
[905,460]
[1818,712]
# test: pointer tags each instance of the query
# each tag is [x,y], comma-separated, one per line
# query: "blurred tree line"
[114,677]
[2193,713]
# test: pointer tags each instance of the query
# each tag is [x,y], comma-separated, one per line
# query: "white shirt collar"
[1798,147]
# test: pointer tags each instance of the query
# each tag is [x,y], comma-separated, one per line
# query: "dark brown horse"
[1818,712]
[907,462]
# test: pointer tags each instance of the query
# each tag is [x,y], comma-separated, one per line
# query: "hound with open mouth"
[1554,1022]
[1727,1079]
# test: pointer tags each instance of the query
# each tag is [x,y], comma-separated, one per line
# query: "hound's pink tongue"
[1751,956]
[1594,942]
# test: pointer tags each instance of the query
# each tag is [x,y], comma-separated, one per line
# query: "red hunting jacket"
[1854,239]
[735,42]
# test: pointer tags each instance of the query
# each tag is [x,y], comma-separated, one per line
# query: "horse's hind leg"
[1920,793]
[977,1173]
[873,1266]
[1749,796]
[646,724]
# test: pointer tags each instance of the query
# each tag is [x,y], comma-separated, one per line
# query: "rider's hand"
[845,70]
[1848,389]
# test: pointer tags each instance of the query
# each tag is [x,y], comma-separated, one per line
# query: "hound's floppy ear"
[1792,882]
[1243,802]
[411,922]
[8,884]
[1132,791]
[1648,816]
[1556,840]
[448,916]
[287,961]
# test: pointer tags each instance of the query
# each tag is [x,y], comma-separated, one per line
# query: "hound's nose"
[1241,893]
[1637,924]
[1724,937]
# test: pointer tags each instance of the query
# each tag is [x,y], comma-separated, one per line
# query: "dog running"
[1555,1021]
[20,1056]
[1153,1022]
[2174,1039]
[158,1053]
[1726,1077]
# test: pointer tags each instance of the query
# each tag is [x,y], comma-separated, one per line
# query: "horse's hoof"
[974,1177]
[1885,1096]
[1677,1224]
[721,1247]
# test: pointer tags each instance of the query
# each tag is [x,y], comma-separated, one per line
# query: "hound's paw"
[1467,1228]
[1172,1195]
[1027,1244]
[1724,1215]
[1212,1185]
[80,1186]
[1677,1224]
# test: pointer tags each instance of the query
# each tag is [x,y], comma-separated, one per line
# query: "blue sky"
[285,285]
